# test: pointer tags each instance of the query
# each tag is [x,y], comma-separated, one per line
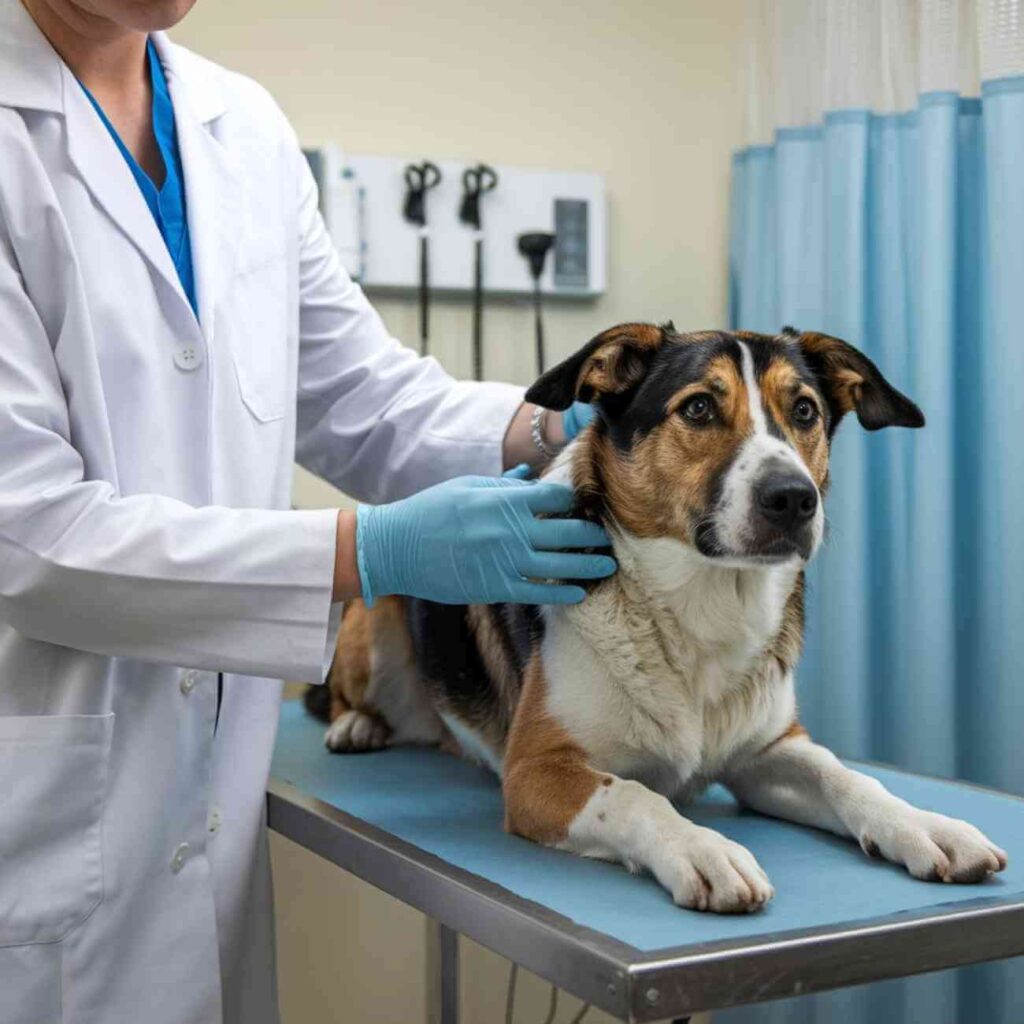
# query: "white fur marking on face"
[753,391]
[737,501]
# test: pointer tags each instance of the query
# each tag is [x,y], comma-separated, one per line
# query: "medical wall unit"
[363,200]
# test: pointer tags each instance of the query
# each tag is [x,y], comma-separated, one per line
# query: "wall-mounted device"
[476,183]
[419,180]
[341,205]
[535,245]
[568,204]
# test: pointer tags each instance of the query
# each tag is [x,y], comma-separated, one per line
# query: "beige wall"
[643,91]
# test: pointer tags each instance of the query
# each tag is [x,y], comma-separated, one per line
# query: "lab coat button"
[179,858]
[189,681]
[188,357]
[213,820]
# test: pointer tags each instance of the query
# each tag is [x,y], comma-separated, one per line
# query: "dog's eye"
[804,412]
[699,409]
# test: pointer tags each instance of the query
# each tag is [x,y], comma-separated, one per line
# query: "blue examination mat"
[453,809]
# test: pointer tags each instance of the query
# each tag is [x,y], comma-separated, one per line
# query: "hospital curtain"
[880,198]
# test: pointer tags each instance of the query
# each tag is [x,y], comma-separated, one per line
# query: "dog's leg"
[553,796]
[801,781]
[355,727]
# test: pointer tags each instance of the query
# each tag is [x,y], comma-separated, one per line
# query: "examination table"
[426,827]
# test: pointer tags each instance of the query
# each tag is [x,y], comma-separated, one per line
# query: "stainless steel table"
[425,828]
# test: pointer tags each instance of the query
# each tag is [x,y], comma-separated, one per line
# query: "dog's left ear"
[852,383]
[610,364]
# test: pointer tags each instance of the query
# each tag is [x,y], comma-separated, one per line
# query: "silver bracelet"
[537,433]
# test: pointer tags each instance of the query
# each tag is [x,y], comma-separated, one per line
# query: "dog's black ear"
[610,364]
[851,382]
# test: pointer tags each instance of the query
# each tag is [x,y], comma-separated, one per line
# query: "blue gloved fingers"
[546,593]
[575,418]
[550,499]
[483,483]
[551,565]
[558,534]
[521,472]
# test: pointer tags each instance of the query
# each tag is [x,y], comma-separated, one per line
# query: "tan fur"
[787,645]
[845,384]
[679,669]
[350,671]
[610,368]
[495,658]
[663,484]
[547,780]
[781,389]
[373,677]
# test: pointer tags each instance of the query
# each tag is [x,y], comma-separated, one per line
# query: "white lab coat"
[145,537]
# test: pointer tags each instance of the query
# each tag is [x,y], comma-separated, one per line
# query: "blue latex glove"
[477,540]
[575,418]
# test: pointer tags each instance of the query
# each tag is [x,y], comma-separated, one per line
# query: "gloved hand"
[477,540]
[575,418]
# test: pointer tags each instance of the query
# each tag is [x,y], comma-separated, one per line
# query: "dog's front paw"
[354,732]
[705,871]
[933,847]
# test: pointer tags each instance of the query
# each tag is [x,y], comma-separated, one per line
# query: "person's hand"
[575,418]
[477,540]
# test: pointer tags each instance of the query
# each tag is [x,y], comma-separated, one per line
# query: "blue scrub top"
[167,204]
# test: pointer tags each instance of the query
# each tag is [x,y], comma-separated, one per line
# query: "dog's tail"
[318,701]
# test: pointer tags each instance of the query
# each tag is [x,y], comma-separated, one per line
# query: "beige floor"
[329,977]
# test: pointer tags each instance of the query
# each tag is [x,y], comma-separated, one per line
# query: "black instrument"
[535,247]
[419,179]
[476,181]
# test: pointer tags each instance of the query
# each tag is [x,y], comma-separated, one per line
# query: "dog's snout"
[787,500]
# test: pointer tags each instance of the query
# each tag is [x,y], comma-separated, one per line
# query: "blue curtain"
[904,235]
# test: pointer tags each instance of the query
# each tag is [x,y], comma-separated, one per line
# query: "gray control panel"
[572,256]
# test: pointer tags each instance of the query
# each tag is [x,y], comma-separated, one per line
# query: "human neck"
[108,59]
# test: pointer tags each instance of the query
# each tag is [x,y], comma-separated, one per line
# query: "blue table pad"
[453,809]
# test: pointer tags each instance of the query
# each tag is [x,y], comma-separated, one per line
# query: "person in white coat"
[175,331]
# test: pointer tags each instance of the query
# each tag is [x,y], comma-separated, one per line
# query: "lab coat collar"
[35,77]
[106,174]
[213,180]
[199,80]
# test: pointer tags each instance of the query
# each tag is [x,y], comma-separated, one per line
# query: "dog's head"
[720,440]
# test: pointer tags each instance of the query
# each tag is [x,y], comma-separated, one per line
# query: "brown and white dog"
[707,464]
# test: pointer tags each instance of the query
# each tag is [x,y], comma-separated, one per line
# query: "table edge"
[649,985]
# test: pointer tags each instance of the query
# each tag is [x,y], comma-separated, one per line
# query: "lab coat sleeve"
[374,418]
[142,576]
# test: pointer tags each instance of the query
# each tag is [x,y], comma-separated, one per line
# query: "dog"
[707,463]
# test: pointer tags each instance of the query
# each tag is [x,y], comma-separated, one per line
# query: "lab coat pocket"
[53,781]
[260,339]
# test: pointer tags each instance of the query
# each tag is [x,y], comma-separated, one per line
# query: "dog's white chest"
[667,694]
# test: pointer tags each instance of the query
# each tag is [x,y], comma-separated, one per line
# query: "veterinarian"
[175,330]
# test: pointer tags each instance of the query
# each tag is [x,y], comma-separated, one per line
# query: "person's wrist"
[346,583]
[541,433]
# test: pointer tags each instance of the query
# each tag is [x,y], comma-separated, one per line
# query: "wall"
[643,91]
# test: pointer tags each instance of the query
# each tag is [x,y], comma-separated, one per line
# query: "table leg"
[442,974]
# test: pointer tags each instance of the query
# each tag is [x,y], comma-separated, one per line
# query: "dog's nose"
[787,499]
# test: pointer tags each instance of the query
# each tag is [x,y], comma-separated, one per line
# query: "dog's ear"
[852,383]
[610,364]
